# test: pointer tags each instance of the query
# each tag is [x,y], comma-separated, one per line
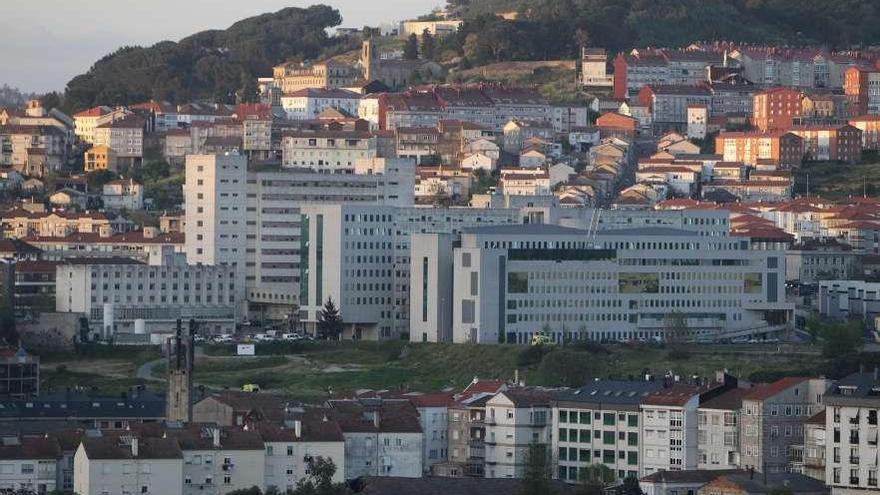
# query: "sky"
[44,43]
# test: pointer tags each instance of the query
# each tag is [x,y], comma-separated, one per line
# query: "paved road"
[145,371]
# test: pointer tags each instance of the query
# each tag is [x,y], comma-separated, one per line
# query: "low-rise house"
[517,132]
[683,482]
[617,125]
[308,103]
[230,408]
[125,136]
[478,161]
[122,194]
[69,198]
[752,483]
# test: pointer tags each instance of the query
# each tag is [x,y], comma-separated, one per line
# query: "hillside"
[210,65]
[547,29]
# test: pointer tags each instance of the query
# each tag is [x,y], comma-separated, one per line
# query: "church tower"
[367,56]
[178,403]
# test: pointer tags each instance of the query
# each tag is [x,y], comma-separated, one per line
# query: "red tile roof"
[763,392]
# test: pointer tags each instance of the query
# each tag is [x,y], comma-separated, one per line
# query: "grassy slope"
[305,373]
[836,180]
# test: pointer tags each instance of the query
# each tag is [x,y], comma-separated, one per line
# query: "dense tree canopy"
[557,28]
[211,65]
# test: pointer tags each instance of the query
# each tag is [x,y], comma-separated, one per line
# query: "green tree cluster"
[218,65]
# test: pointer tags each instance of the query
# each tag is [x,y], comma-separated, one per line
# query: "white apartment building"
[851,439]
[28,464]
[123,295]
[515,419]
[128,465]
[123,194]
[327,151]
[718,424]
[433,412]
[308,103]
[292,445]
[669,429]
[218,460]
[599,423]
[615,284]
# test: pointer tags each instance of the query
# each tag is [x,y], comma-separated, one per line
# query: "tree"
[630,486]
[254,490]
[427,47]
[675,328]
[51,100]
[320,479]
[411,49]
[329,321]
[249,92]
[594,478]
[841,339]
[538,470]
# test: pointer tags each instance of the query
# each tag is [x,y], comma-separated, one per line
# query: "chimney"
[134,447]
[376,419]
[516,376]
[297,428]
[216,434]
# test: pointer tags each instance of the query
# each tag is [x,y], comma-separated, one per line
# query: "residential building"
[815,445]
[752,483]
[515,419]
[100,157]
[862,89]
[812,260]
[29,464]
[439,27]
[125,136]
[128,464]
[830,142]
[433,412]
[850,299]
[669,425]
[697,121]
[327,151]
[382,438]
[19,374]
[137,244]
[123,194]
[772,422]
[291,77]
[466,438]
[679,482]
[718,431]
[308,103]
[599,423]
[510,301]
[669,104]
[615,125]
[776,108]
[778,148]
[219,460]
[870,127]
[87,121]
[292,444]
[851,434]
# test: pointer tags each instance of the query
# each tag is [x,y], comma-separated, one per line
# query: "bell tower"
[367,55]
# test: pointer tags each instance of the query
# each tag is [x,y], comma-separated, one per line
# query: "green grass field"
[838,180]
[309,372]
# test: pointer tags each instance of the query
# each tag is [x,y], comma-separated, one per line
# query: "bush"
[531,355]
[563,367]
[590,346]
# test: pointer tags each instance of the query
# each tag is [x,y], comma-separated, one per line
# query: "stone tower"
[180,353]
[367,59]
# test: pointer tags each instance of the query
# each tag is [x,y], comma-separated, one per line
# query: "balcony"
[853,481]
[853,459]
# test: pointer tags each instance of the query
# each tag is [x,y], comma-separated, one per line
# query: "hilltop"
[209,65]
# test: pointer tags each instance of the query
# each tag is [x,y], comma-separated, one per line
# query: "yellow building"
[100,157]
[292,77]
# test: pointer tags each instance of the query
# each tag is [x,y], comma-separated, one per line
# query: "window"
[27,469]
